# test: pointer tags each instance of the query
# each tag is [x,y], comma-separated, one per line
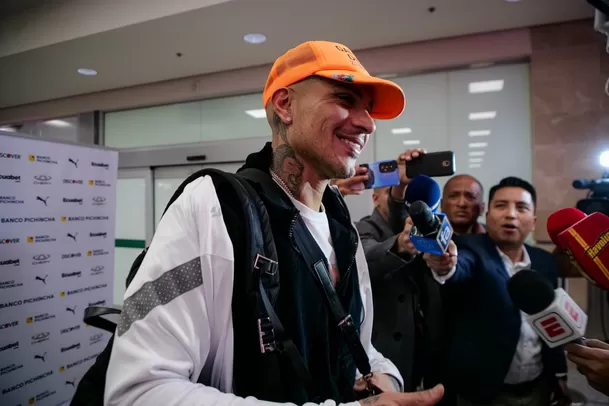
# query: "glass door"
[133,222]
[168,179]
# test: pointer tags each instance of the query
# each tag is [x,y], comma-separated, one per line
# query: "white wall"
[437,112]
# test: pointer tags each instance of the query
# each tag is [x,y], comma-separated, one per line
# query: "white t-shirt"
[318,225]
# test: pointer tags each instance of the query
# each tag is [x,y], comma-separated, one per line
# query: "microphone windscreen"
[425,189]
[530,291]
[562,219]
[422,217]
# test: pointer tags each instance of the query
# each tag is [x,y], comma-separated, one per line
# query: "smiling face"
[330,125]
[511,216]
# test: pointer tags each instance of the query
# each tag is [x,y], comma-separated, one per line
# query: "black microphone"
[430,232]
[423,218]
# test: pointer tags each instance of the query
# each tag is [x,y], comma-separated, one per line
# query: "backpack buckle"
[265,265]
[266,335]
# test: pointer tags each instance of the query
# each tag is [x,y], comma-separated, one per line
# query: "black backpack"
[256,273]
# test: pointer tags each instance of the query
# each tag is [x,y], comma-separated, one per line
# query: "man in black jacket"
[495,356]
[408,316]
[180,313]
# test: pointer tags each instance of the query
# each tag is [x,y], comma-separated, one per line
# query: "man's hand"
[425,398]
[403,245]
[592,361]
[353,185]
[442,264]
[397,192]
[382,382]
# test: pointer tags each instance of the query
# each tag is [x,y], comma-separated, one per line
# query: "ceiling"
[210,39]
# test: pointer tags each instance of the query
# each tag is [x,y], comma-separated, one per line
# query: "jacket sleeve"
[397,214]
[461,274]
[177,313]
[378,363]
[382,262]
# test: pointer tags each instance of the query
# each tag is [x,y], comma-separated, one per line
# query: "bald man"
[462,202]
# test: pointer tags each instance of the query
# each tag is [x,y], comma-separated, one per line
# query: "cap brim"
[388,97]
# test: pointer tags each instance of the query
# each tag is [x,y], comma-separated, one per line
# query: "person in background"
[408,315]
[463,204]
[495,357]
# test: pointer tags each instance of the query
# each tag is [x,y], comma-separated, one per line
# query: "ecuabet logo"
[102,165]
[74,200]
[11,346]
[6,262]
[12,178]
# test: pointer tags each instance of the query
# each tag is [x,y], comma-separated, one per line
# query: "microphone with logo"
[555,317]
[584,240]
[430,232]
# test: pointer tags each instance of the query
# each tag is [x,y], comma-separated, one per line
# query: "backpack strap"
[317,263]
[272,334]
[261,277]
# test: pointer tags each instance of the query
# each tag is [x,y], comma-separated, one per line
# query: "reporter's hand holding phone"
[353,185]
[397,192]
[424,398]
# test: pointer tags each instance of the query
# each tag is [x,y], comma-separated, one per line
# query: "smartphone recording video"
[382,174]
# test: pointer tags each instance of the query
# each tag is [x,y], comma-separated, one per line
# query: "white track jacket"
[177,314]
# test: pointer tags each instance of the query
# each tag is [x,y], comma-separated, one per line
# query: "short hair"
[464,175]
[512,181]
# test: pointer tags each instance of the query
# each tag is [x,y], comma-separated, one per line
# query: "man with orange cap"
[175,344]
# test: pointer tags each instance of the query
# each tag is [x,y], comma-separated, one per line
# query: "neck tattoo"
[282,184]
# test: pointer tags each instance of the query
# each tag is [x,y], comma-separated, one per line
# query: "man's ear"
[281,101]
[482,208]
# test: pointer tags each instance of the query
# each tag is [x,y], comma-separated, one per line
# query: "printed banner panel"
[57,220]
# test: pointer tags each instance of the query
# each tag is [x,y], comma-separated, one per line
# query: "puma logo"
[74,162]
[71,383]
[73,310]
[44,280]
[43,200]
[73,236]
[42,357]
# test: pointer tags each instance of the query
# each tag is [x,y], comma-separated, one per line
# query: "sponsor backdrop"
[57,218]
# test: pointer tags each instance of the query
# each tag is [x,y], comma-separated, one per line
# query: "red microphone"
[558,222]
[585,243]
[562,219]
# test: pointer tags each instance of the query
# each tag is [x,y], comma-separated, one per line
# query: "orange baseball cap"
[337,62]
